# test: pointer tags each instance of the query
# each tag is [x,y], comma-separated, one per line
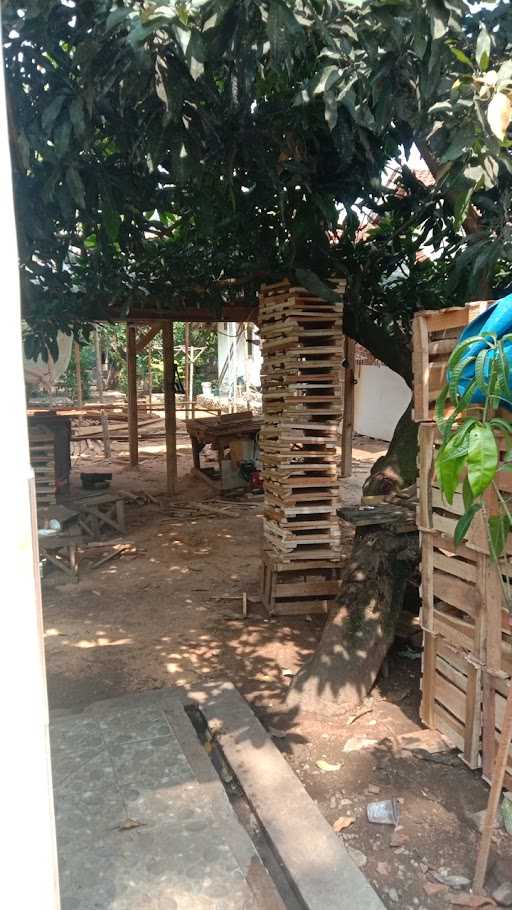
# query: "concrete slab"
[316,860]
[139,758]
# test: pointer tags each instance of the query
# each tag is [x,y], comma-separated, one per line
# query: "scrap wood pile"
[302,393]
[467,659]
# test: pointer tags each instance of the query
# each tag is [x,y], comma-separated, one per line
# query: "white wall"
[226,333]
[381,397]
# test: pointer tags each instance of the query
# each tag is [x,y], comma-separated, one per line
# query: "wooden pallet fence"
[435,334]
[467,658]
[302,394]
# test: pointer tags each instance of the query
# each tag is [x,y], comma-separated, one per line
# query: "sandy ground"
[169,613]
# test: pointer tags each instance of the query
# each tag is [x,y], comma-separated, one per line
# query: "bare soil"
[169,613]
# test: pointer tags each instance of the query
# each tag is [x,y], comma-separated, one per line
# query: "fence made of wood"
[302,393]
[467,656]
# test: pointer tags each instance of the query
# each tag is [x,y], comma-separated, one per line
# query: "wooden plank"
[347,432]
[143,340]
[131,362]
[169,406]
[429,668]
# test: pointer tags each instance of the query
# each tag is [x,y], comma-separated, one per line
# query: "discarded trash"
[373,789]
[344,821]
[424,741]
[286,672]
[506,812]
[384,812]
[457,882]
[54,524]
[326,766]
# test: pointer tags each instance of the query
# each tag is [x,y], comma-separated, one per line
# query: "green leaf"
[467,494]
[461,206]
[51,113]
[483,48]
[464,522]
[325,79]
[76,187]
[76,115]
[482,458]
[460,55]
[499,527]
[112,222]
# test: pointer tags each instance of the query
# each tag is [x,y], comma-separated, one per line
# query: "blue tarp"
[498,321]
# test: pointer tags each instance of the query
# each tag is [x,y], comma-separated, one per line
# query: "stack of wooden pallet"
[302,392]
[42,459]
[467,658]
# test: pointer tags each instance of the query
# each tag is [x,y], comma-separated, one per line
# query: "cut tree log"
[361,627]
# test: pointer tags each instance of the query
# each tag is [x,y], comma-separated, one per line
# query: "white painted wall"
[381,397]
[226,333]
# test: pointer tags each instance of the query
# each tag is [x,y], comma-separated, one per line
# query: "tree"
[184,151]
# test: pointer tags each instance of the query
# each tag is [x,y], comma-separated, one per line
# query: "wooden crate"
[302,393]
[452,696]
[299,588]
[42,459]
[435,334]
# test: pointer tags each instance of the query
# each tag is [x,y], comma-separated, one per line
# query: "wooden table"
[61,550]
[222,433]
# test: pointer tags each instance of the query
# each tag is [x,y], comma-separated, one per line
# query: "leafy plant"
[473,437]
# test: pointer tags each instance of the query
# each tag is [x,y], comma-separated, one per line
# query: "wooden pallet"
[298,589]
[435,334]
[42,459]
[302,393]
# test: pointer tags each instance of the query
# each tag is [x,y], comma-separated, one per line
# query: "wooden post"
[348,409]
[150,376]
[170,406]
[187,368]
[99,383]
[191,380]
[133,417]
[78,375]
[494,796]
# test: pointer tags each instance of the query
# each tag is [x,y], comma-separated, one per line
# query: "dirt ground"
[169,613]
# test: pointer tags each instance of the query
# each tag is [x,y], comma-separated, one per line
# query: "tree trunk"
[361,627]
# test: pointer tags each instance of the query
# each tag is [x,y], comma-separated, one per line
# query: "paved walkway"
[121,762]
[144,822]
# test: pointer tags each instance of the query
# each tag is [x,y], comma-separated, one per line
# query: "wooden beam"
[170,406]
[78,375]
[148,336]
[187,368]
[347,432]
[498,777]
[133,417]
[99,384]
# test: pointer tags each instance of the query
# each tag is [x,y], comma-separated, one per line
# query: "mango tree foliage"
[172,152]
